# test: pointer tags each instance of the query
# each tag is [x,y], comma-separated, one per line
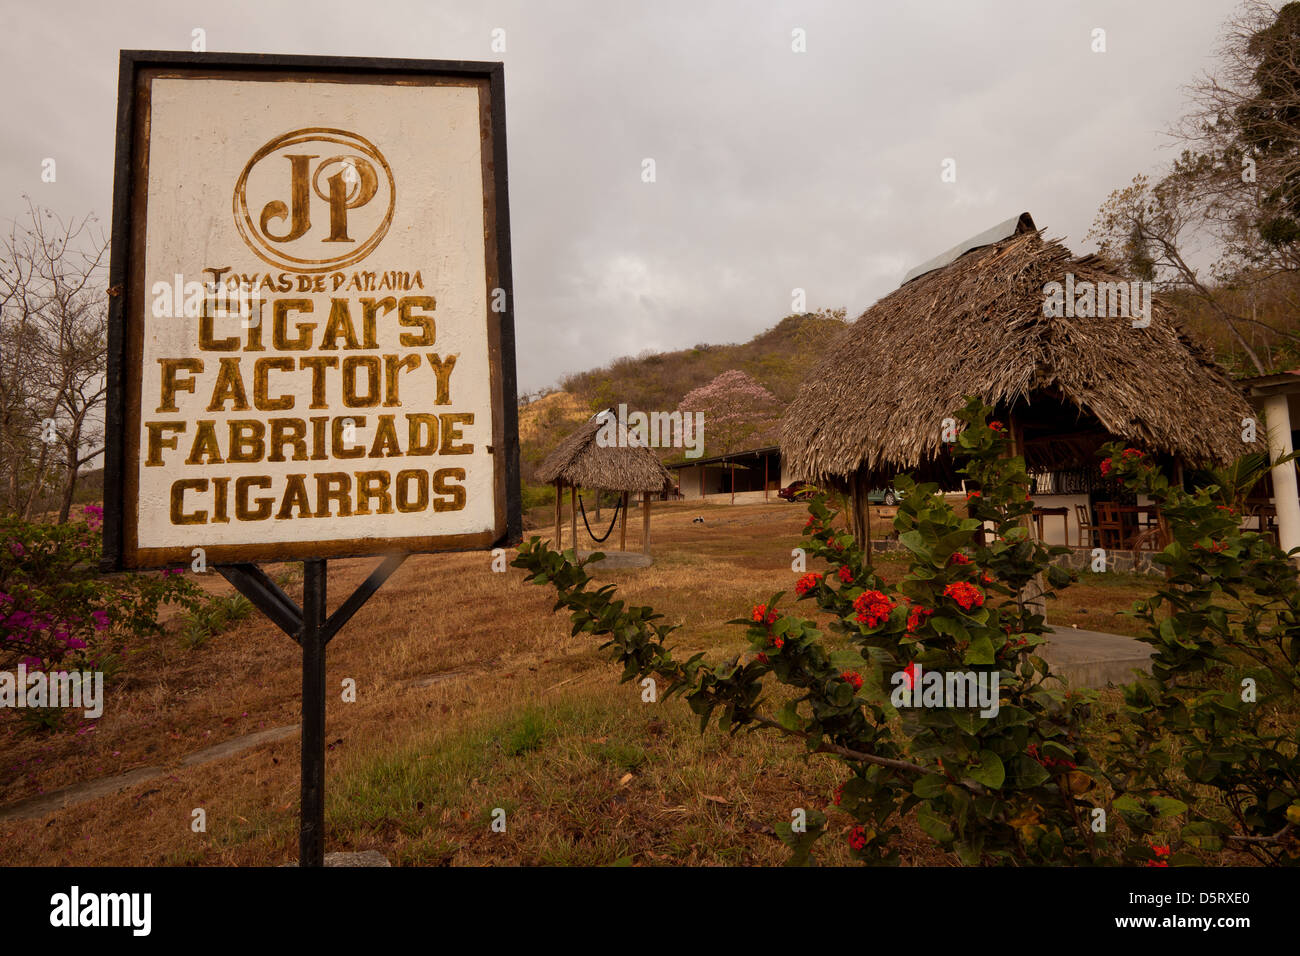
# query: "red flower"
[958,558]
[807,583]
[812,520]
[909,673]
[761,614]
[873,608]
[973,494]
[1105,468]
[762,658]
[917,617]
[1049,762]
[777,642]
[986,578]
[838,795]
[858,838]
[1161,852]
[966,595]
[853,677]
[995,425]
[1131,453]
[845,574]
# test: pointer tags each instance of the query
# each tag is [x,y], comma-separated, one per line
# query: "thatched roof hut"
[582,461]
[610,462]
[972,323]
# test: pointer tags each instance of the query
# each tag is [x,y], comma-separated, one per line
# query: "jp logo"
[305,205]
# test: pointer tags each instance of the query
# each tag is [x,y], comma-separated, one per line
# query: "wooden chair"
[1087,530]
[1110,525]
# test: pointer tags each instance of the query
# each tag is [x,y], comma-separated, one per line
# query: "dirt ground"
[472,699]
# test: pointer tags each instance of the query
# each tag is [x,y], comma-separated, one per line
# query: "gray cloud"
[775,169]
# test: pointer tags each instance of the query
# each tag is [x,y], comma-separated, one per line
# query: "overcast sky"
[775,169]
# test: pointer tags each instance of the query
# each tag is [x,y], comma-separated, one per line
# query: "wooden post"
[733,482]
[645,525]
[1032,595]
[573,516]
[862,512]
[622,528]
[559,505]
[765,477]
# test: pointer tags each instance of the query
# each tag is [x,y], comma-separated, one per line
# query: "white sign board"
[314,278]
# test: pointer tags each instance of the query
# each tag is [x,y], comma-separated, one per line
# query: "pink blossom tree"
[738,412]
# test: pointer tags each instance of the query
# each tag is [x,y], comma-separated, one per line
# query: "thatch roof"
[582,461]
[875,403]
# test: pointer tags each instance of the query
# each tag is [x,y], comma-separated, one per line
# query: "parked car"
[884,496]
[797,491]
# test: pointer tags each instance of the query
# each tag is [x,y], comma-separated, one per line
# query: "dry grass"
[471,695]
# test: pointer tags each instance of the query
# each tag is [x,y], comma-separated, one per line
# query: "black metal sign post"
[312,631]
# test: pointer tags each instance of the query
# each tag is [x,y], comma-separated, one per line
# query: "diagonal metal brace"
[256,585]
[361,595]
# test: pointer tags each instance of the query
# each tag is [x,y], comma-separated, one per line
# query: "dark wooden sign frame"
[311,626]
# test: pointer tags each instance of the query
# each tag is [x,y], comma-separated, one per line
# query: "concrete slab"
[342,858]
[1094,658]
[35,807]
[620,559]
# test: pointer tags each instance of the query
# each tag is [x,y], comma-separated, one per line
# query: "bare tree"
[53,345]
[1233,195]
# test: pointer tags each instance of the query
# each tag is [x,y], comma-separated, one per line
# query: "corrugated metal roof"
[1003,230]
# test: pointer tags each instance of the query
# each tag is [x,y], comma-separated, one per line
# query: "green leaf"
[802,843]
[980,651]
[933,825]
[1167,806]
[930,786]
[788,716]
[989,771]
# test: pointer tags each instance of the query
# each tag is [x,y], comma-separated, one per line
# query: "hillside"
[777,358]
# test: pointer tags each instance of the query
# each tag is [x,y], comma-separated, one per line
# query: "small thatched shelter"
[601,455]
[972,322]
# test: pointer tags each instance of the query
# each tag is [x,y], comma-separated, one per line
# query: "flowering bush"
[1218,713]
[57,612]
